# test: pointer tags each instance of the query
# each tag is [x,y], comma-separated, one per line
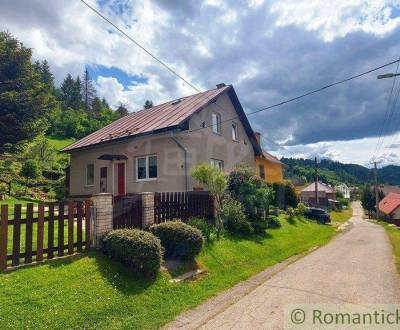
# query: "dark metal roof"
[160,118]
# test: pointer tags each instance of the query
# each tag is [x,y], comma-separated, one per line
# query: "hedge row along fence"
[50,230]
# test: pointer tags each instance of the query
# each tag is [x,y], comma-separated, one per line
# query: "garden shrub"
[136,248]
[285,195]
[202,225]
[238,176]
[273,222]
[179,239]
[300,209]
[291,214]
[259,224]
[234,218]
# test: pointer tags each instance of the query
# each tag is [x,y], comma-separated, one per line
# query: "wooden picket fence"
[127,211]
[183,206]
[28,235]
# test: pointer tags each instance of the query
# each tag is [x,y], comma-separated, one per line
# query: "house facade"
[326,195]
[390,206]
[344,189]
[268,166]
[154,149]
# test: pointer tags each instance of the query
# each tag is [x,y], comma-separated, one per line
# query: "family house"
[268,166]
[154,149]
[344,189]
[326,195]
[390,206]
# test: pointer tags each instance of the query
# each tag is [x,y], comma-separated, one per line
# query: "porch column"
[147,209]
[103,216]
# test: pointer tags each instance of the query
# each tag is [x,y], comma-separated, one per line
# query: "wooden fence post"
[3,237]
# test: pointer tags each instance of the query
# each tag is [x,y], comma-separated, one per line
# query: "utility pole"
[376,191]
[316,183]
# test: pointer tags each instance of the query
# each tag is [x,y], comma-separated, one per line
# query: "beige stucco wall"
[202,145]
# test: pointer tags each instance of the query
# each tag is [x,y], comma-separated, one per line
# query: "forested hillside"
[334,172]
[38,118]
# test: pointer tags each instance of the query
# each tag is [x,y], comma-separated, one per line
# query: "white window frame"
[217,129]
[235,131]
[146,157]
[215,163]
[87,184]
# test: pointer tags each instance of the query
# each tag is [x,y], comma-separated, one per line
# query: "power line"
[308,93]
[386,117]
[196,89]
[141,47]
[392,117]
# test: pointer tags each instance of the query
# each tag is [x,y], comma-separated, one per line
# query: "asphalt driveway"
[357,267]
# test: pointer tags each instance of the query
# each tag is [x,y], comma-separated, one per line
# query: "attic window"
[175,101]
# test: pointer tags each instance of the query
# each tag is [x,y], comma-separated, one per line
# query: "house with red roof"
[154,149]
[390,206]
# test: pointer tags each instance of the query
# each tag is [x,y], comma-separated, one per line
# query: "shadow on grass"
[291,221]
[257,238]
[124,279]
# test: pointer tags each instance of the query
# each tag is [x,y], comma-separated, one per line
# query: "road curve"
[356,267]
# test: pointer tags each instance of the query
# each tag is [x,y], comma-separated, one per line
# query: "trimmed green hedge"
[179,239]
[136,248]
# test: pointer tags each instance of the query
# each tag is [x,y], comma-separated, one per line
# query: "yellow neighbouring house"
[269,167]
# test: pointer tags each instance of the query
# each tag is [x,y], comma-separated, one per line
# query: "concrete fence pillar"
[103,216]
[147,209]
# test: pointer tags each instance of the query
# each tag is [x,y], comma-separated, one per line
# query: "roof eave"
[120,139]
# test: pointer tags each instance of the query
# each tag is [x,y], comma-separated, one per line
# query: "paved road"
[357,267]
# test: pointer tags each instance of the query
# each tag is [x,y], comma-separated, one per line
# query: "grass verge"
[339,217]
[394,236]
[94,292]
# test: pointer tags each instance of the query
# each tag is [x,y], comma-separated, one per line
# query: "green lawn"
[94,292]
[59,143]
[34,236]
[394,235]
[339,217]
[11,201]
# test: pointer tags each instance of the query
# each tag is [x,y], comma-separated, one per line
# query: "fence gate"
[183,206]
[127,211]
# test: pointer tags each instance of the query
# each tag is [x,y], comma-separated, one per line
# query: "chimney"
[220,85]
[258,137]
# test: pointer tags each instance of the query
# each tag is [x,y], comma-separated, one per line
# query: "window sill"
[146,180]
[88,186]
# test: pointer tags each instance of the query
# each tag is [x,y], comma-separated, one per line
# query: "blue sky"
[269,50]
[124,78]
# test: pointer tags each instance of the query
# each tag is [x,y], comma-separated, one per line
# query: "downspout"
[185,153]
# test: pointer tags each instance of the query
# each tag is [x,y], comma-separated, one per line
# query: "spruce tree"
[71,96]
[88,91]
[25,102]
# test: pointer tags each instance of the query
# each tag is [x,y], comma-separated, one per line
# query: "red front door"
[121,179]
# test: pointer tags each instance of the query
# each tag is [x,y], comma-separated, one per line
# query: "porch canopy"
[112,157]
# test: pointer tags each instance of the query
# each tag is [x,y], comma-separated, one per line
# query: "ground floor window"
[146,168]
[90,174]
[217,163]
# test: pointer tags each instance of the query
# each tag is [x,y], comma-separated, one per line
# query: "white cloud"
[332,19]
[268,57]
[359,151]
